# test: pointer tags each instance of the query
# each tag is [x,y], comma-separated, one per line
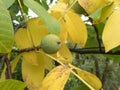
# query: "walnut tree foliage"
[88,58]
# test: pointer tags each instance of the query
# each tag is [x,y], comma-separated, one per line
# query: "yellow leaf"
[31,57]
[87,78]
[106,12]
[91,5]
[33,74]
[48,63]
[77,32]
[36,30]
[63,32]
[64,55]
[26,38]
[22,40]
[65,1]
[59,7]
[3,74]
[14,62]
[111,37]
[56,79]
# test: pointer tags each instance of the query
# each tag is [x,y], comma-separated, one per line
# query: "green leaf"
[6,30]
[52,24]
[96,14]
[12,85]
[8,3]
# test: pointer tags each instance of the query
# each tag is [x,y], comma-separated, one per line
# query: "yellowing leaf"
[77,32]
[56,78]
[59,7]
[36,30]
[63,32]
[48,62]
[88,79]
[64,55]
[33,74]
[3,74]
[111,37]
[91,5]
[65,1]
[31,57]
[14,62]
[22,40]
[106,12]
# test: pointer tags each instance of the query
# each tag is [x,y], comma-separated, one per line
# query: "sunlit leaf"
[31,57]
[92,5]
[111,37]
[51,23]
[105,12]
[65,1]
[88,78]
[6,30]
[96,14]
[8,4]
[56,78]
[63,32]
[77,32]
[3,75]
[59,7]
[14,62]
[36,30]
[22,40]
[70,19]
[26,43]
[12,85]
[64,55]
[33,74]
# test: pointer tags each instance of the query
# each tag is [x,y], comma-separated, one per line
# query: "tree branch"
[8,67]
[94,51]
[26,49]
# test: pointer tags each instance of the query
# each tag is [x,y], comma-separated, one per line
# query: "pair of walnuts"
[50,43]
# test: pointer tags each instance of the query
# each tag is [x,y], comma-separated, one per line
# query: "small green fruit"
[50,43]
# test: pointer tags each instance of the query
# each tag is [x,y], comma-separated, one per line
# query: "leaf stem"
[22,11]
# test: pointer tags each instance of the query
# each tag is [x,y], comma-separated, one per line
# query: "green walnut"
[50,43]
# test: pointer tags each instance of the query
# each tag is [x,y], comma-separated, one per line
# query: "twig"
[94,51]
[2,62]
[80,51]
[8,67]
[26,49]
[97,34]
[21,10]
